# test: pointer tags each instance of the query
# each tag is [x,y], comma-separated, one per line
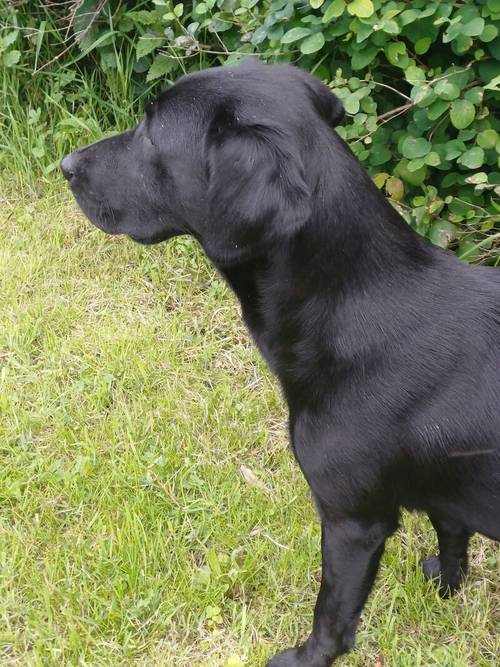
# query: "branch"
[397,110]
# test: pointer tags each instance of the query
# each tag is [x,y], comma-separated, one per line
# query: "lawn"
[151,512]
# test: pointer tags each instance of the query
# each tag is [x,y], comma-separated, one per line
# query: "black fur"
[387,348]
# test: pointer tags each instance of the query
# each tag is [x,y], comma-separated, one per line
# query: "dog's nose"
[68,165]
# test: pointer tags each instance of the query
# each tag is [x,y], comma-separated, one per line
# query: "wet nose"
[68,165]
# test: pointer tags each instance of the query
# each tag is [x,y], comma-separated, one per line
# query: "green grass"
[45,115]
[131,397]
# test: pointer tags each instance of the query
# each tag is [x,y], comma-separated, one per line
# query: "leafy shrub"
[420,82]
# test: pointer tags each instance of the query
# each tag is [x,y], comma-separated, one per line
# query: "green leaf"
[379,154]
[415,147]
[475,179]
[389,26]
[369,106]
[316,4]
[259,35]
[334,10]
[218,24]
[473,158]
[489,33]
[442,233]
[143,17]
[416,164]
[313,43]
[126,24]
[453,149]
[462,44]
[437,109]
[380,179]
[422,45]
[432,159]
[412,177]
[414,74]
[450,179]
[422,120]
[474,95]
[361,59]
[351,104]
[147,44]
[295,34]
[429,10]
[408,16]
[452,32]
[161,65]
[423,95]
[468,251]
[11,58]
[395,188]
[494,84]
[8,39]
[361,8]
[447,90]
[462,113]
[474,27]
[487,139]
[395,51]
[466,135]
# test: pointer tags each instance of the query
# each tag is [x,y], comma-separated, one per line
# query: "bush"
[420,82]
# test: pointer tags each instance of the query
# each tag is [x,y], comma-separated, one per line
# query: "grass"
[151,513]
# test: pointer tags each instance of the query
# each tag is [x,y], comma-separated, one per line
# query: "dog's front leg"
[351,551]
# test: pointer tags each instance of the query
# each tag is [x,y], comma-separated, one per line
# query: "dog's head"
[220,155]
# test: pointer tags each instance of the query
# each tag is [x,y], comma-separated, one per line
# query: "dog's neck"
[322,283]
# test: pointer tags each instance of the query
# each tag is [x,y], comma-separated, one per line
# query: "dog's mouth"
[99,213]
[110,220]
[114,221]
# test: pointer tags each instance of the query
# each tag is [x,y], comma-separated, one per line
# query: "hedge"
[420,82]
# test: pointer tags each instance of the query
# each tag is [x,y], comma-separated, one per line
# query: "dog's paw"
[298,657]
[284,659]
[431,568]
[449,581]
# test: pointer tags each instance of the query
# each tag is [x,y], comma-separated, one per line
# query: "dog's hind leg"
[451,564]
[351,551]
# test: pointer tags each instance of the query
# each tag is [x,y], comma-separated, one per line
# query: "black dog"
[387,348]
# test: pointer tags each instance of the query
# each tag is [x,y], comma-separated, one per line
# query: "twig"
[78,36]
[368,134]
[201,50]
[440,122]
[397,110]
[394,90]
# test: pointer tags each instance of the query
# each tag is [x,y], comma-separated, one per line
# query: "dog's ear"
[257,194]
[326,103]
